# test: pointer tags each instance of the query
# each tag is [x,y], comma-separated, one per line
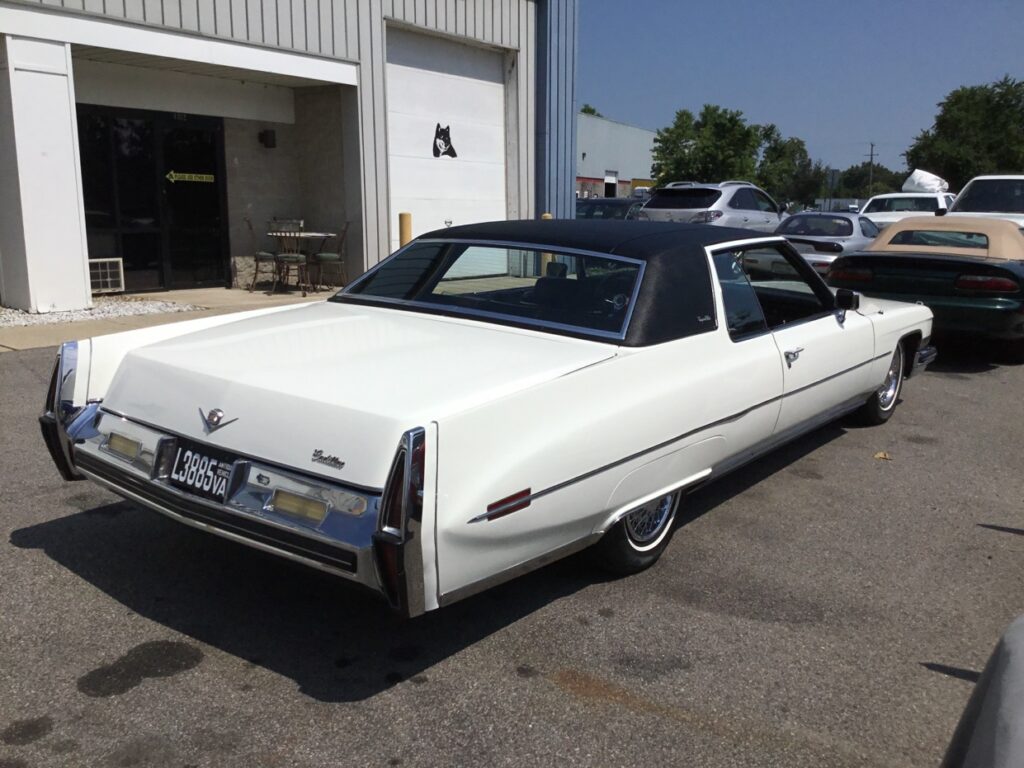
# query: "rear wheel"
[639,538]
[881,405]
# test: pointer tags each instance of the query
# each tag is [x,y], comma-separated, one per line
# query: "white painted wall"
[431,81]
[50,272]
[118,85]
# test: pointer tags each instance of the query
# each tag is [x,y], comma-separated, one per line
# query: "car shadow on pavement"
[337,642]
[964,356]
[707,497]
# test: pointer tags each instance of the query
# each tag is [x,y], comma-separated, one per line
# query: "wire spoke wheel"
[646,524]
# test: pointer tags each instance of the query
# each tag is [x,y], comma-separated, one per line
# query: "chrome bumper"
[342,544]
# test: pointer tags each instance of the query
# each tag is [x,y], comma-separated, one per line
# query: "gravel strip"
[103,307]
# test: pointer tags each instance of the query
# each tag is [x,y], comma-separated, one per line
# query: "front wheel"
[882,404]
[639,538]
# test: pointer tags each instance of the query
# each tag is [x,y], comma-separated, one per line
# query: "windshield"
[898,204]
[685,197]
[816,226]
[589,294]
[992,196]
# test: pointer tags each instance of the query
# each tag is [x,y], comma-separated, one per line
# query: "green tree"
[979,129]
[717,145]
[586,109]
[786,170]
[864,180]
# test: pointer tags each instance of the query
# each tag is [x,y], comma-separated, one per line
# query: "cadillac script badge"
[319,457]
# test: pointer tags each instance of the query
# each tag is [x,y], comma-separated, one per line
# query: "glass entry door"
[154,191]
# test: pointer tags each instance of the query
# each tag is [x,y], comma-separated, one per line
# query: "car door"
[825,353]
[743,210]
[769,211]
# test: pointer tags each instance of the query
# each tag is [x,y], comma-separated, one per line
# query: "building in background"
[612,158]
[169,134]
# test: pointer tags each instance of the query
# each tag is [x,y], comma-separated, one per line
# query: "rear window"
[817,226]
[992,196]
[900,204]
[589,294]
[940,238]
[688,197]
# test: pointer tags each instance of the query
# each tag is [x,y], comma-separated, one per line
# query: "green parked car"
[968,270]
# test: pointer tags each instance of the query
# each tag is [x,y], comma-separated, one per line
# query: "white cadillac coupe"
[487,399]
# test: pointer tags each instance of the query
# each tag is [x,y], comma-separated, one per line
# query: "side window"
[764,202]
[743,315]
[744,200]
[867,226]
[786,287]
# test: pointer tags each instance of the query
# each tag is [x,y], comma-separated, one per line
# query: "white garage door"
[455,175]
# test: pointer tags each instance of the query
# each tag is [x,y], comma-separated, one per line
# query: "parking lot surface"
[829,605]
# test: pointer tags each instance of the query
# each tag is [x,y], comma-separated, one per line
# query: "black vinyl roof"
[675,298]
[645,240]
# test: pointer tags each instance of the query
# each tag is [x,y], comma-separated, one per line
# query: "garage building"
[173,135]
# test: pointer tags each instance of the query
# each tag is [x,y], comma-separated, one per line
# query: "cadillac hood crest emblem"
[214,420]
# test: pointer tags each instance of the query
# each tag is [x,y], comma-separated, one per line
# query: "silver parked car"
[821,237]
[728,204]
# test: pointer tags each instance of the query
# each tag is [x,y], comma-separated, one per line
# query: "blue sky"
[836,74]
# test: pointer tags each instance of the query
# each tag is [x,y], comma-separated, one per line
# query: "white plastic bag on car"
[922,181]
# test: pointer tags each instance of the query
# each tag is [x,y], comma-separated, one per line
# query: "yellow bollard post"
[546,258]
[404,228]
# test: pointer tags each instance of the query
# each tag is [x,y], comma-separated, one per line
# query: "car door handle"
[792,355]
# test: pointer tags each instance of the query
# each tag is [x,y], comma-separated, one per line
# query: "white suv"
[883,210]
[728,204]
[999,197]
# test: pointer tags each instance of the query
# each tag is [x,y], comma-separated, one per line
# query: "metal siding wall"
[323,27]
[556,106]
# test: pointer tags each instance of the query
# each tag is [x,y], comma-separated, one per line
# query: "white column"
[43,253]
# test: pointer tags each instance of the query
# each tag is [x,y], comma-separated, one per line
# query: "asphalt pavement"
[825,606]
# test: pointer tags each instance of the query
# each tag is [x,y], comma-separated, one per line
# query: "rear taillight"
[705,217]
[850,275]
[987,284]
[820,266]
[401,510]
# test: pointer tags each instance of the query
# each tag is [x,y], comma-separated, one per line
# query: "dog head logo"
[443,141]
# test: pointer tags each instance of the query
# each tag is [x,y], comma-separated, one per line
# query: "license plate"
[201,471]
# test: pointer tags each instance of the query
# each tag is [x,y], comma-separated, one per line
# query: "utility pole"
[871,170]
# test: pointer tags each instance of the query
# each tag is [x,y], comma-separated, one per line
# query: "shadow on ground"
[336,643]
[958,355]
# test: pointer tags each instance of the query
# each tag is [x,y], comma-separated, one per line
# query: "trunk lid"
[342,379]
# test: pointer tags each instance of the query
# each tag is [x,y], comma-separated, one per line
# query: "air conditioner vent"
[106,275]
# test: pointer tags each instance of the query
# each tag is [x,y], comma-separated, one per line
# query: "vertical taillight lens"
[402,501]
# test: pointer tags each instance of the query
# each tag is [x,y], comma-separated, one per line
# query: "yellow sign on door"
[174,176]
